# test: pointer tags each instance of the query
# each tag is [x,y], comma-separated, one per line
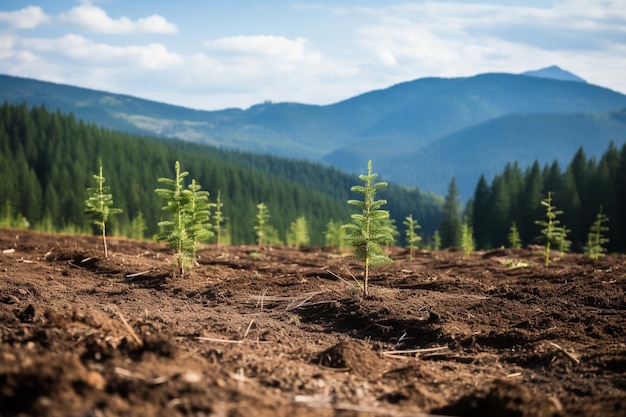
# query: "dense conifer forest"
[48,159]
[579,190]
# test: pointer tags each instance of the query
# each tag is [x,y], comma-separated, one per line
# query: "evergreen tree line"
[514,198]
[47,162]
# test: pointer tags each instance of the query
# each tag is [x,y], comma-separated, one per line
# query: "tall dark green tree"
[451,221]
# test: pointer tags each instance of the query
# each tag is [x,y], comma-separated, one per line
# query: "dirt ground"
[284,332]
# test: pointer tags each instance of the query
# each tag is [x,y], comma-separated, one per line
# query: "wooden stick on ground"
[569,355]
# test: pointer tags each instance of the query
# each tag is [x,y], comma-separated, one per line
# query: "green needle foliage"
[468,244]
[551,233]
[99,206]
[370,228]
[198,214]
[514,239]
[189,223]
[412,238]
[595,238]
[261,225]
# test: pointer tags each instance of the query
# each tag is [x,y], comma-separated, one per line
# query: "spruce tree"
[412,237]
[369,228]
[99,206]
[451,223]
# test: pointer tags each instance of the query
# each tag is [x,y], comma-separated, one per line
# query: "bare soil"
[284,332]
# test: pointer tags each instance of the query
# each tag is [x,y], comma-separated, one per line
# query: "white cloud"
[94,19]
[83,51]
[27,18]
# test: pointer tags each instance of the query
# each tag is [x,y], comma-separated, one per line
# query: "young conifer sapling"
[468,243]
[298,233]
[412,237]
[369,228]
[261,224]
[189,222]
[514,239]
[552,232]
[335,235]
[99,206]
[595,238]
[218,218]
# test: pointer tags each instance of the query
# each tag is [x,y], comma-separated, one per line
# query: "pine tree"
[451,223]
[99,206]
[481,218]
[552,232]
[595,238]
[412,237]
[369,229]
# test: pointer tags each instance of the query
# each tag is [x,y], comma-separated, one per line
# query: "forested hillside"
[47,160]
[499,117]
[585,185]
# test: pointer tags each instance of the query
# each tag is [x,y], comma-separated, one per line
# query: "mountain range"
[418,133]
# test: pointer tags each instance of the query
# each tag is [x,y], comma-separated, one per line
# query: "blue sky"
[215,54]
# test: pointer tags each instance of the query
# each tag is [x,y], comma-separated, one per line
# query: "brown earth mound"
[284,332]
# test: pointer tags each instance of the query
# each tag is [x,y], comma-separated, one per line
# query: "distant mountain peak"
[554,72]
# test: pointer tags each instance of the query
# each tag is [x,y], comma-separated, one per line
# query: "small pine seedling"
[261,224]
[412,238]
[335,235]
[513,237]
[552,232]
[218,218]
[595,238]
[189,224]
[436,241]
[369,228]
[99,206]
[468,244]
[298,233]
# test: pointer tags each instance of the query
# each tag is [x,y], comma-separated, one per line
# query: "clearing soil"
[285,332]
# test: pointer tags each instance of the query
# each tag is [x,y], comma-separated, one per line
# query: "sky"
[217,54]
